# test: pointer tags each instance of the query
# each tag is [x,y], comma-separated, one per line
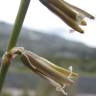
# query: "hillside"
[53,47]
[45,43]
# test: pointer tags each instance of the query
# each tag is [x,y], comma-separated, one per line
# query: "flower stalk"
[13,39]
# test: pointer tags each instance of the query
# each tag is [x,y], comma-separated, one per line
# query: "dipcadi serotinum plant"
[72,16]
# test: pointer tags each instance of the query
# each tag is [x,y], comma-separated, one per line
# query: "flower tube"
[70,14]
[58,76]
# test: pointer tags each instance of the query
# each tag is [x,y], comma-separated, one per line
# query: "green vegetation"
[6,94]
[25,92]
[1,53]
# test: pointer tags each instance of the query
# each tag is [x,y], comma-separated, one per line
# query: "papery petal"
[80,10]
[44,67]
[58,76]
[70,14]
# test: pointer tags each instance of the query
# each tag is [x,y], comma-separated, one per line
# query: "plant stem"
[14,37]
[18,23]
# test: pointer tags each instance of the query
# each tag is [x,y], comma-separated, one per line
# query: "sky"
[40,18]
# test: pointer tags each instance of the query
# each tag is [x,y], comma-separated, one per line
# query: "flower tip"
[81,31]
[74,74]
[83,23]
[92,17]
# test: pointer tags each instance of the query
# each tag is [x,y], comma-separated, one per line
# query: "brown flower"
[70,14]
[58,76]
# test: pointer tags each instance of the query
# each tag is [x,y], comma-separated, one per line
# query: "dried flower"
[58,76]
[70,14]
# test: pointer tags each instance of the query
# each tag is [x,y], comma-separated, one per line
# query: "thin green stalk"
[18,23]
[14,37]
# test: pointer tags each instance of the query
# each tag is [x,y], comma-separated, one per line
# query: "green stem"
[18,23]
[14,37]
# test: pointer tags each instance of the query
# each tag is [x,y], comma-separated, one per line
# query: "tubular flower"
[58,76]
[70,14]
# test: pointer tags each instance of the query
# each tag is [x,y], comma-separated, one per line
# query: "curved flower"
[70,14]
[58,76]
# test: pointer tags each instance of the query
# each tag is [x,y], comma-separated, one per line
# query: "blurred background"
[48,36]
